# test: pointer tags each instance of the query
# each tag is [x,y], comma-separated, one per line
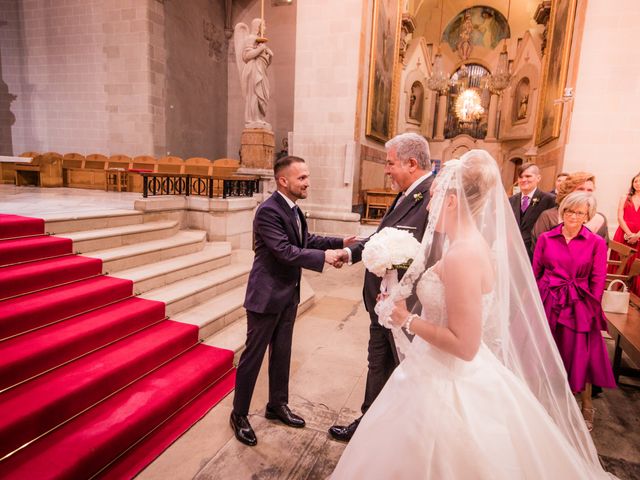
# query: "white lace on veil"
[516,329]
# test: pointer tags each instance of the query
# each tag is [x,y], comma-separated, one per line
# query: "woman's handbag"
[615,301]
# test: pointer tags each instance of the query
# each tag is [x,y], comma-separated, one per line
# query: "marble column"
[442,116]
[491,120]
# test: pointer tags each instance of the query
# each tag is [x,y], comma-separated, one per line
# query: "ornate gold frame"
[370,130]
[549,118]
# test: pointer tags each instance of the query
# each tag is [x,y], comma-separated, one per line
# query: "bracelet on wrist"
[407,324]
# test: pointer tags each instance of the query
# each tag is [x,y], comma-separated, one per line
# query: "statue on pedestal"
[253,57]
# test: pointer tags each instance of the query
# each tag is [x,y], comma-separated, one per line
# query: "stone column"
[442,116]
[491,119]
[327,67]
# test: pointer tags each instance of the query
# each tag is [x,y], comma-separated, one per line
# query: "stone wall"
[604,136]
[196,79]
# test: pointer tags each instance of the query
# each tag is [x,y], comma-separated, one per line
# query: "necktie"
[296,213]
[525,203]
[400,199]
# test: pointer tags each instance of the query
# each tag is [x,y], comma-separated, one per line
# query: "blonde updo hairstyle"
[572,182]
[478,176]
[577,200]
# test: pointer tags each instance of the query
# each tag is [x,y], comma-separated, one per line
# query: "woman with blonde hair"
[570,264]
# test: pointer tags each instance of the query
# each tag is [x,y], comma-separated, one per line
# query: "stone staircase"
[202,283]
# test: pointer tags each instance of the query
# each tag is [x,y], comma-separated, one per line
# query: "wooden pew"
[71,161]
[140,164]
[44,170]
[90,175]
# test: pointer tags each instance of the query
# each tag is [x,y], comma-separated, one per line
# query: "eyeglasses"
[575,214]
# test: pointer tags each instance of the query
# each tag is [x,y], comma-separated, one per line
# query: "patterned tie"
[297,215]
[525,203]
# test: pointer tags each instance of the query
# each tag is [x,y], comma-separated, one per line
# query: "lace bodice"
[430,291]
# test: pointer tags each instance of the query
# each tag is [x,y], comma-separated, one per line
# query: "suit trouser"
[265,330]
[382,358]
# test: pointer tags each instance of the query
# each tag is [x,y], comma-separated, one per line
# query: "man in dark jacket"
[529,203]
[283,246]
[409,166]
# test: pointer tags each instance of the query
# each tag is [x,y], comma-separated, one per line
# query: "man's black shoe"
[242,428]
[285,415]
[343,433]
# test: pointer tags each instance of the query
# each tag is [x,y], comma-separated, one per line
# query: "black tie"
[296,213]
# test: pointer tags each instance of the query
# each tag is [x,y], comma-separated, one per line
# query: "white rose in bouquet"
[389,249]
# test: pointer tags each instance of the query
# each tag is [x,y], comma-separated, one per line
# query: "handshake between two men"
[337,258]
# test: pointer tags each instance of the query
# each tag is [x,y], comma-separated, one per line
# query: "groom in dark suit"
[529,203]
[283,246]
[409,166]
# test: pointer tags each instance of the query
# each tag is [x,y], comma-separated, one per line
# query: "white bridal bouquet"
[389,249]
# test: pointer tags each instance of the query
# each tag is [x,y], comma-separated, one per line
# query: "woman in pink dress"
[570,264]
[628,231]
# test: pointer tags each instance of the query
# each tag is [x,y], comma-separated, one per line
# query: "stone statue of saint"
[253,57]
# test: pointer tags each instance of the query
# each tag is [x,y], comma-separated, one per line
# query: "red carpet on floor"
[93,381]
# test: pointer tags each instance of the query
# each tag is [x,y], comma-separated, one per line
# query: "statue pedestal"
[257,147]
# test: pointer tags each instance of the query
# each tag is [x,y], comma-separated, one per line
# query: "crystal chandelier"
[439,79]
[501,77]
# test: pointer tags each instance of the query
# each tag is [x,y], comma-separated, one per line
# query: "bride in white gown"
[481,392]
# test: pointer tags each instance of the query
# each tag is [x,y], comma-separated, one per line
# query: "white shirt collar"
[287,199]
[530,194]
[413,186]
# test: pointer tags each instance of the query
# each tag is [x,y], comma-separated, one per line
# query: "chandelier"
[501,77]
[439,79]
[468,106]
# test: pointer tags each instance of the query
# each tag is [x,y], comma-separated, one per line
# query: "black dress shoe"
[343,433]
[242,429]
[285,415]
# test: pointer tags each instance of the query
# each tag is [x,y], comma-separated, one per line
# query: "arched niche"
[521,106]
[416,106]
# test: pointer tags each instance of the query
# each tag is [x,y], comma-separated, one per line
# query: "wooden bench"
[44,170]
[625,330]
[377,202]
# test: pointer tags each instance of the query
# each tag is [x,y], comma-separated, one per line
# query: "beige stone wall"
[326,76]
[604,136]
[88,75]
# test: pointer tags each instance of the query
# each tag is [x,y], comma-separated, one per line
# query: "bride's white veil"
[516,329]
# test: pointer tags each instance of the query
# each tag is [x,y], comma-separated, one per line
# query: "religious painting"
[384,55]
[556,66]
[475,26]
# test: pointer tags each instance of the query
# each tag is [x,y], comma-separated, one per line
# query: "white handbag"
[614,301]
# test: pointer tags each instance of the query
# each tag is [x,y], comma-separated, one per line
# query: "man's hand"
[336,258]
[348,241]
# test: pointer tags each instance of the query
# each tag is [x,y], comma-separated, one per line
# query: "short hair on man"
[411,145]
[526,166]
[576,200]
[284,162]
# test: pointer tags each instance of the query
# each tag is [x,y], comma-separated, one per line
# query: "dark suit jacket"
[274,281]
[540,202]
[411,213]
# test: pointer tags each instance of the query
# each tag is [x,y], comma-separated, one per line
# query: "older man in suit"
[409,166]
[529,203]
[283,246]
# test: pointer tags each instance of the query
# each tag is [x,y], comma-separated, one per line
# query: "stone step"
[104,238]
[215,314]
[165,272]
[193,291]
[120,258]
[234,333]
[63,223]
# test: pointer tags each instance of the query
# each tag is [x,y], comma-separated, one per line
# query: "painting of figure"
[384,53]
[476,26]
[556,65]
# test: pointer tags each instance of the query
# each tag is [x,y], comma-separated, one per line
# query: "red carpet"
[98,380]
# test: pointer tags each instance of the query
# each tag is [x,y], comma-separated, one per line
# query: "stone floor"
[327,383]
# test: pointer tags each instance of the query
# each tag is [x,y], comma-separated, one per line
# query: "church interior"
[134,152]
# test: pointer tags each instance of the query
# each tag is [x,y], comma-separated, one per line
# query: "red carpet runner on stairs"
[94,382]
